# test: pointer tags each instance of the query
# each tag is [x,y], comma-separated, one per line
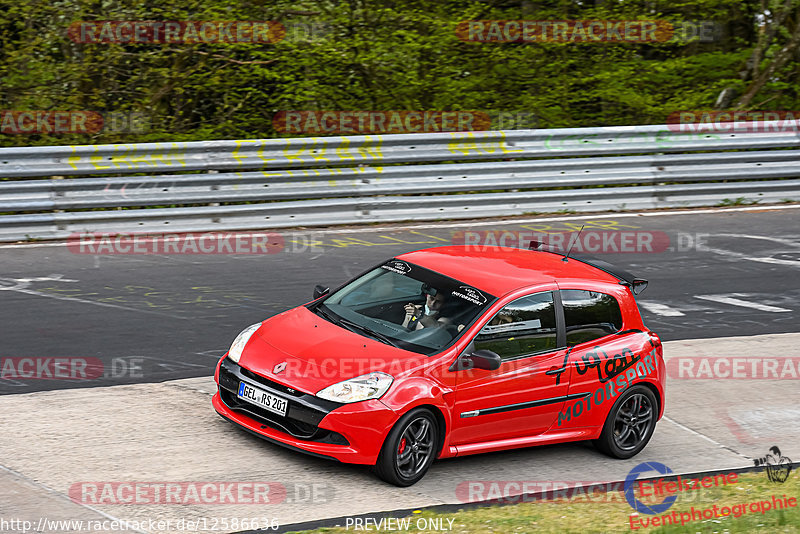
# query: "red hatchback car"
[452,351]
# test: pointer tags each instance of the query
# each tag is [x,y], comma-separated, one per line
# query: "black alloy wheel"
[409,449]
[630,423]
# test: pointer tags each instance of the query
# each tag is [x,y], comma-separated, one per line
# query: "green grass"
[586,515]
[741,201]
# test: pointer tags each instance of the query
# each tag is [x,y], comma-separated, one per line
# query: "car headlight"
[368,386]
[235,352]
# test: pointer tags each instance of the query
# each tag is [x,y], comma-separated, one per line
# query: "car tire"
[409,449]
[630,423]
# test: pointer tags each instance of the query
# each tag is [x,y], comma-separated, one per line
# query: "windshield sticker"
[397,266]
[470,294]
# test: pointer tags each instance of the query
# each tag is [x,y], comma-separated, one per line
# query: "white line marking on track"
[734,301]
[703,436]
[495,222]
[20,285]
[661,309]
[61,495]
[762,259]
[96,303]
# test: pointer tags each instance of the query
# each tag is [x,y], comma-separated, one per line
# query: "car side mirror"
[320,291]
[479,359]
[485,359]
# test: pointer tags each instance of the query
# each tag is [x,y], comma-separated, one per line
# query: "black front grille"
[303,414]
[269,383]
[290,426]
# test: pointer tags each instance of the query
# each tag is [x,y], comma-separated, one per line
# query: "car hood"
[304,351]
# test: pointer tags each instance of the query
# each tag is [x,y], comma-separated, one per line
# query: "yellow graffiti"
[72,160]
[430,236]
[371,149]
[96,160]
[261,155]
[319,154]
[236,151]
[600,224]
[466,142]
[342,151]
[298,154]
[346,242]
[113,300]
[397,239]
[127,155]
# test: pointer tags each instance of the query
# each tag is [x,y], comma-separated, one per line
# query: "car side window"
[589,315]
[525,326]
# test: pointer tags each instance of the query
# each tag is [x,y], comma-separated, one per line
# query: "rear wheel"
[630,423]
[409,449]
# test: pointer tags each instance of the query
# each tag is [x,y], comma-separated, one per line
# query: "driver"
[430,315]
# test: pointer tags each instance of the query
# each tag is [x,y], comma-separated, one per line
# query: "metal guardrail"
[52,192]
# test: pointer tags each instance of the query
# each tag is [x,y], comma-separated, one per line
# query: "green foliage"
[372,55]
[740,201]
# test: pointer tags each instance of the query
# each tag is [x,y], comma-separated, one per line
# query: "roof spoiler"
[636,284]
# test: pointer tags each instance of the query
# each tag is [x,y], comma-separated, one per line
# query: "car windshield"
[407,306]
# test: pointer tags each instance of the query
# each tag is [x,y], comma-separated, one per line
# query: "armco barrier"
[51,192]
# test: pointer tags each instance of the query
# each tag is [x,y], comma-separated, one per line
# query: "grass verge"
[601,513]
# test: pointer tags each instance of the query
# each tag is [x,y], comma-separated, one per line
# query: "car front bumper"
[350,433]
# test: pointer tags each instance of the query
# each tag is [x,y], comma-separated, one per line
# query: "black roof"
[620,274]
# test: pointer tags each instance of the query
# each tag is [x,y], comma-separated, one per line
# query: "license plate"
[261,398]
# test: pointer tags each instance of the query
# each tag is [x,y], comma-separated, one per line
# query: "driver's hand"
[412,309]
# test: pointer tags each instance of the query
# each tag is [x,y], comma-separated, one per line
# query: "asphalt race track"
[146,321]
[153,318]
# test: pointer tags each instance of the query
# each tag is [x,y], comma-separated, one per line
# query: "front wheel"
[630,423]
[409,449]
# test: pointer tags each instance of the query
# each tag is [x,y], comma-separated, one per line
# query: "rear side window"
[589,315]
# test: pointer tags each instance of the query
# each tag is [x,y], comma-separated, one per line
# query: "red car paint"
[311,347]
